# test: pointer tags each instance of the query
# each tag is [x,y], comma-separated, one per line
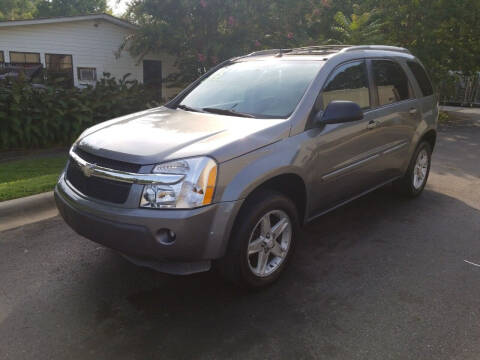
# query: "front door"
[152,75]
[345,159]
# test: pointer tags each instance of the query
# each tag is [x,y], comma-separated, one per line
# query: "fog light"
[165,236]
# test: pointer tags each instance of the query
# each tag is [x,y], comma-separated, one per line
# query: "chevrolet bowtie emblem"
[88,170]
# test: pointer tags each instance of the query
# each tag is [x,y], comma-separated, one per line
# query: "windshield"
[268,89]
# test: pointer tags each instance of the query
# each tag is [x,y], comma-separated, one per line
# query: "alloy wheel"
[269,243]
[420,169]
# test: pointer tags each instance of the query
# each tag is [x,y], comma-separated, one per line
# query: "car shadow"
[343,255]
[457,151]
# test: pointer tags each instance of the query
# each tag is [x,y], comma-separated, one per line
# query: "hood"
[162,134]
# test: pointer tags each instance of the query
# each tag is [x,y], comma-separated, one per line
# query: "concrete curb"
[27,210]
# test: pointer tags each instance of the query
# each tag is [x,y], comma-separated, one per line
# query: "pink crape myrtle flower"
[257,43]
[202,58]
[232,21]
[290,35]
[203,3]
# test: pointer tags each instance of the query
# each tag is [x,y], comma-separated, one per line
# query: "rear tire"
[415,179]
[262,240]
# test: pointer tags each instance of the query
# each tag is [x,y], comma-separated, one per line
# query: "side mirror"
[338,112]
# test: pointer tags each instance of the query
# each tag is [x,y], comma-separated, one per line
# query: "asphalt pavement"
[382,278]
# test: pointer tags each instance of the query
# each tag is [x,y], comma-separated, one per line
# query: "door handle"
[372,124]
[413,111]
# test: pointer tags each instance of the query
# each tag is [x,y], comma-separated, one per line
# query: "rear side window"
[391,82]
[422,78]
[348,82]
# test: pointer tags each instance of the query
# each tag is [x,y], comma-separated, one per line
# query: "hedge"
[33,117]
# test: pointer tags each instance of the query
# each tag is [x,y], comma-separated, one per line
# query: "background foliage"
[32,118]
[28,9]
[49,8]
[200,33]
[444,34]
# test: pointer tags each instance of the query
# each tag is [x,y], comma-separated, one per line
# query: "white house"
[81,48]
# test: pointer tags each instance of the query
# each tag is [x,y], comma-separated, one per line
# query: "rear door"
[396,115]
[427,102]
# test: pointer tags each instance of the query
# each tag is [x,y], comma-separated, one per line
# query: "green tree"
[49,8]
[360,28]
[17,9]
[200,33]
[444,34]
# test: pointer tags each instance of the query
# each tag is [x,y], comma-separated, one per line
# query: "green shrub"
[42,117]
[442,117]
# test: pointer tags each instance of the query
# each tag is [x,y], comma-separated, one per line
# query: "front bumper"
[201,234]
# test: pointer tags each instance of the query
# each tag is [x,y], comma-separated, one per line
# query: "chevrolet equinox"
[227,172]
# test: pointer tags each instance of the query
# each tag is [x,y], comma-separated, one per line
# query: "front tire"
[415,179]
[262,240]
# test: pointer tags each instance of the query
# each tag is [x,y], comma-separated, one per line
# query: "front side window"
[391,82]
[422,77]
[348,82]
[22,58]
[260,88]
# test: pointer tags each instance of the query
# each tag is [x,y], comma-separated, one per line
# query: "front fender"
[241,175]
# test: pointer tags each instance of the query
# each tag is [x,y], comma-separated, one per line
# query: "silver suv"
[227,172]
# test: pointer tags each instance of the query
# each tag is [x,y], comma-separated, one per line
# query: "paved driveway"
[383,278]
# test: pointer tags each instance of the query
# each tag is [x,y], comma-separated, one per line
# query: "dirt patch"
[457,116]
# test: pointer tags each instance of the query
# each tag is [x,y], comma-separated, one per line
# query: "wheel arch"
[431,137]
[291,185]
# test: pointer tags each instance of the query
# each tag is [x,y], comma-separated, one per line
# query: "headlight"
[195,189]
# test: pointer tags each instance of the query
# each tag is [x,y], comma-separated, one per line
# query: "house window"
[59,67]
[87,74]
[24,58]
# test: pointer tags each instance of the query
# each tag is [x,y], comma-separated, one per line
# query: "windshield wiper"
[227,112]
[188,108]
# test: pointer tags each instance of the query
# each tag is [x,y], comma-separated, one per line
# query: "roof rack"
[321,47]
[268,52]
[376,47]
[318,50]
[325,50]
[305,50]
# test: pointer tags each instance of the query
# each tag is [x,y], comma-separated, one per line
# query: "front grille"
[107,163]
[98,188]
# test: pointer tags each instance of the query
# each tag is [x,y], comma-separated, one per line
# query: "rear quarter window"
[421,77]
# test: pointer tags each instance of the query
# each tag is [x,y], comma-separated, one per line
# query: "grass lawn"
[29,176]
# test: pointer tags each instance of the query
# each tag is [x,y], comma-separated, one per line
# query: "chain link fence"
[460,90]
